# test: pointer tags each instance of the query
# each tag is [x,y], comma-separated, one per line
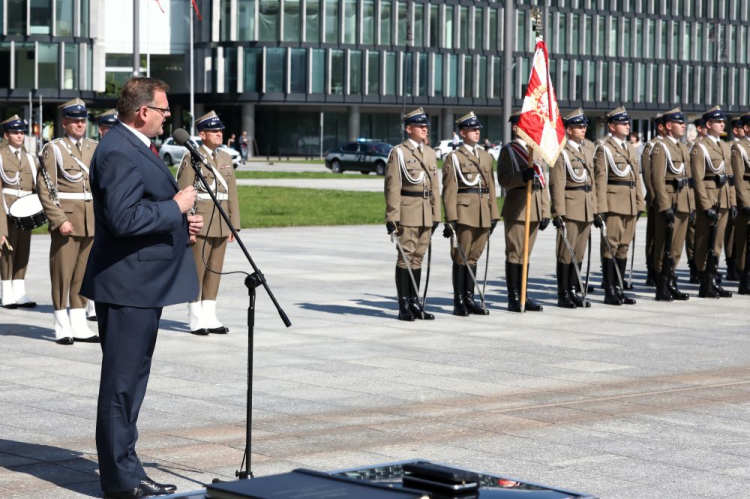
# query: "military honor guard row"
[54,188]
[693,192]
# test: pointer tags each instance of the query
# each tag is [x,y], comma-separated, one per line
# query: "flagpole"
[527,231]
[192,79]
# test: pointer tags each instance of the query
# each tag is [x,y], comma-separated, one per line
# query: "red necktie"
[153,149]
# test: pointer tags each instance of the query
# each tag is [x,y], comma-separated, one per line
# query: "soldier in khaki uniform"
[729,235]
[470,208]
[710,160]
[71,225]
[650,218]
[619,200]
[700,127]
[412,208]
[18,178]
[211,243]
[513,174]
[673,202]
[105,121]
[572,188]
[741,169]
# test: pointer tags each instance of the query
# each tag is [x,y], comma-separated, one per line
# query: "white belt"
[85,196]
[221,196]
[16,192]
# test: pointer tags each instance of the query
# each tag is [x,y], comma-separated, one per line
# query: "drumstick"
[10,248]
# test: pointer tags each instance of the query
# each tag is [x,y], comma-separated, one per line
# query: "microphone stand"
[252,282]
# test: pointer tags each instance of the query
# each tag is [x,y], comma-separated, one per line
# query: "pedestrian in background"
[231,141]
[244,143]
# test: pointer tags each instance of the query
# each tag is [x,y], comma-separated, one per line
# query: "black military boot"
[650,275]
[732,274]
[621,264]
[415,306]
[744,287]
[563,286]
[706,289]
[402,288]
[531,305]
[675,291]
[471,305]
[513,284]
[575,288]
[693,272]
[608,276]
[459,283]
[715,283]
[662,287]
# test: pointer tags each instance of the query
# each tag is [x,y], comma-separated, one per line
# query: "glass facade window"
[578,72]
[700,84]
[626,36]
[318,73]
[686,45]
[463,30]
[521,30]
[448,25]
[268,20]
[482,83]
[225,21]
[16,17]
[402,19]
[230,69]
[337,72]
[252,69]
[452,83]
[49,65]
[408,73]
[419,25]
[423,75]
[638,41]
[699,42]
[662,45]
[40,12]
[71,74]
[468,77]
[677,97]
[385,23]
[591,81]
[731,43]
[617,70]
[493,31]
[743,45]
[390,73]
[275,70]
[613,38]
[355,72]
[600,35]
[25,58]
[668,83]
[85,13]
[604,81]
[575,35]
[64,15]
[588,34]
[564,93]
[478,29]
[332,21]
[434,26]
[292,21]
[497,77]
[641,93]
[350,21]
[561,38]
[368,22]
[438,75]
[373,73]
[298,71]
[651,39]
[246,19]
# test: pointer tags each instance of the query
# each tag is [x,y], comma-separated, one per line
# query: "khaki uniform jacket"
[470,209]
[412,211]
[707,194]
[666,156]
[509,169]
[79,212]
[617,199]
[646,169]
[11,167]
[204,205]
[741,169]
[577,205]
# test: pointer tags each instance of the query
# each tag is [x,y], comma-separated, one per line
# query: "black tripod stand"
[252,282]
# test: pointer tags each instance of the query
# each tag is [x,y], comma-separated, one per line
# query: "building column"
[353,122]
[248,125]
[199,111]
[447,123]
[177,121]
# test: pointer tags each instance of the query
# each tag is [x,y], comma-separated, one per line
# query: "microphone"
[182,137]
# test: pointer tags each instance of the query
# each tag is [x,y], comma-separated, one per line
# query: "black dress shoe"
[156,485]
[90,339]
[12,306]
[65,341]
[138,492]
[218,330]
[200,332]
[91,318]
[28,304]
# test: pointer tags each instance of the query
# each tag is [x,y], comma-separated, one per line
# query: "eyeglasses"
[163,110]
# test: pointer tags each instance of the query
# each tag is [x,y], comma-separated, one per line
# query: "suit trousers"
[13,263]
[68,256]
[741,230]
[211,250]
[679,232]
[514,235]
[578,237]
[415,241]
[620,231]
[128,337]
[651,215]
[472,241]
[729,239]
[702,230]
[690,241]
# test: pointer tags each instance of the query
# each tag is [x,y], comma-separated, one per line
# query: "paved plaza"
[645,401]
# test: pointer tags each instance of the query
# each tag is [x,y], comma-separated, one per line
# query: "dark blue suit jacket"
[140,256]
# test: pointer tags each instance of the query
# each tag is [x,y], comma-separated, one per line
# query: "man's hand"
[558,222]
[2,244]
[668,215]
[435,225]
[712,215]
[186,198]
[391,227]
[544,224]
[231,237]
[66,228]
[527,174]
[733,213]
[195,224]
[447,232]
[493,224]
[598,221]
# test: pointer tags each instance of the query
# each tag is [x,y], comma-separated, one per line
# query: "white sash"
[404,171]
[670,164]
[611,161]
[458,173]
[571,170]
[707,161]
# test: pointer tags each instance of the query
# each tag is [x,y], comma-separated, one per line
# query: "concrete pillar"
[353,122]
[200,110]
[248,125]
[447,123]
[177,121]
[58,131]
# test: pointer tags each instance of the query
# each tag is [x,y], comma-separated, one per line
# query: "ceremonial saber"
[573,259]
[609,248]
[486,268]
[394,237]
[427,276]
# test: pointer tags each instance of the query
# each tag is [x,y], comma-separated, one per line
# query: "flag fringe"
[550,160]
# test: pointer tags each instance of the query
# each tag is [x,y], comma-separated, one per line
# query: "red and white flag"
[540,124]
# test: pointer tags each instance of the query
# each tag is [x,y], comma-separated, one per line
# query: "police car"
[172,153]
[364,156]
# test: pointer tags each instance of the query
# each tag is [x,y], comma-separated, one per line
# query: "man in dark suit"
[140,262]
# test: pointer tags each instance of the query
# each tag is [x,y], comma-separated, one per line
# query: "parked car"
[172,153]
[364,156]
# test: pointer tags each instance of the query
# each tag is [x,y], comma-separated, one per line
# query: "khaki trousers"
[68,256]
[13,263]
[702,230]
[514,235]
[415,241]
[472,241]
[620,230]
[678,238]
[215,248]
[578,237]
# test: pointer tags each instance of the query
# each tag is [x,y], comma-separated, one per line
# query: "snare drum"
[27,213]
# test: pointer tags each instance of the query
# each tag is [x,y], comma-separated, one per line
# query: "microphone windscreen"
[181,136]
